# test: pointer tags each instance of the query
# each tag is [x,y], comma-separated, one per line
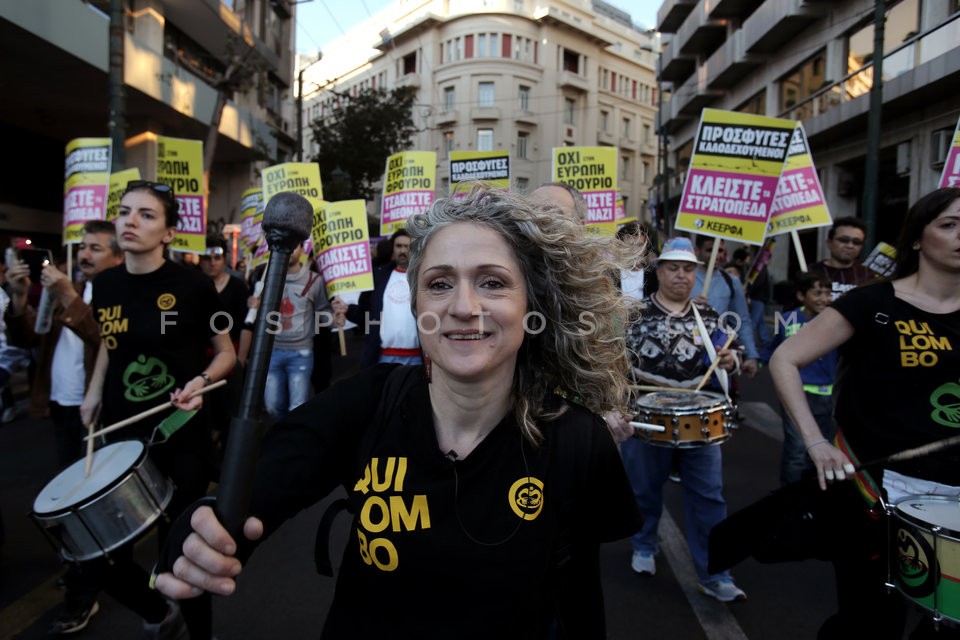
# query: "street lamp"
[300,105]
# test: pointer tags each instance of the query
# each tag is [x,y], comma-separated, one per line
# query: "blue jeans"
[794,460]
[703,505]
[288,381]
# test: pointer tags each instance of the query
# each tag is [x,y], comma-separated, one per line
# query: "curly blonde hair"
[570,280]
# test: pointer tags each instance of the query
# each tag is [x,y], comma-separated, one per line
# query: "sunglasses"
[158,188]
[847,240]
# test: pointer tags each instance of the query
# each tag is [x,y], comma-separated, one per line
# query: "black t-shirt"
[156,328]
[234,298]
[442,548]
[898,384]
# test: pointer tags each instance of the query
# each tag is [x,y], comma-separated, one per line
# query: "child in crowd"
[813,293]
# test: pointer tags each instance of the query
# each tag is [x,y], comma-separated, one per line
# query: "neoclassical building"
[520,75]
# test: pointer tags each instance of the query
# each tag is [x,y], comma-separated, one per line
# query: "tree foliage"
[358,135]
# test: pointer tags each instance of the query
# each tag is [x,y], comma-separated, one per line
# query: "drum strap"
[866,485]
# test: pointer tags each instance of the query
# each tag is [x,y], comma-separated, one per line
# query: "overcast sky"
[320,21]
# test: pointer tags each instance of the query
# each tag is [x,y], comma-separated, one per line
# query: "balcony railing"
[921,48]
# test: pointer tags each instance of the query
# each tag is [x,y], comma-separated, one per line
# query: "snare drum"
[690,419]
[88,516]
[925,553]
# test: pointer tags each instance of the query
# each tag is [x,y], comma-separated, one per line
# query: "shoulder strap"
[729,280]
[395,387]
[313,278]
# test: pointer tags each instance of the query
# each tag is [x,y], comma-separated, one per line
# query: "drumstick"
[713,365]
[86,471]
[916,452]
[645,426]
[650,387]
[148,413]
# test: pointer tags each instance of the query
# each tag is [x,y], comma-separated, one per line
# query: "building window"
[505,52]
[645,176]
[522,138]
[410,63]
[449,98]
[625,167]
[646,133]
[605,121]
[494,43]
[485,94]
[524,98]
[523,184]
[468,47]
[482,46]
[448,141]
[484,139]
[803,81]
[571,61]
[757,105]
[569,111]
[625,132]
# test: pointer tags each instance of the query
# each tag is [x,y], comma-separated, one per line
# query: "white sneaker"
[723,590]
[643,563]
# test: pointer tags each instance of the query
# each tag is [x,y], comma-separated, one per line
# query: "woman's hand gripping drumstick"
[716,362]
[150,412]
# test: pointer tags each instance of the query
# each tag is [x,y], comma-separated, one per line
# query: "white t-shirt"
[631,283]
[67,376]
[398,327]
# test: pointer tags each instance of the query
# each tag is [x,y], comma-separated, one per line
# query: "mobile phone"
[36,259]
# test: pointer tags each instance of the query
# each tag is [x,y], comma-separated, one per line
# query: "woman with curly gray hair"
[481,492]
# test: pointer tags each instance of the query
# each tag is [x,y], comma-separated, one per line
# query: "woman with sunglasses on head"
[482,482]
[156,324]
[899,344]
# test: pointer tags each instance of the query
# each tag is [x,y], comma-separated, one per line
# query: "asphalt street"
[281,595]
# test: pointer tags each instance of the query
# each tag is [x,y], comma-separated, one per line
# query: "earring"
[916,246]
[427,368]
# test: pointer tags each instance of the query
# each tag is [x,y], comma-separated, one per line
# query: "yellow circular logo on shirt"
[166,301]
[526,497]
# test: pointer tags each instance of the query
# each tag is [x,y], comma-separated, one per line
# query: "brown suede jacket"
[78,317]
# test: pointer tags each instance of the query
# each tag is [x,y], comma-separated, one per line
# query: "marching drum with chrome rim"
[690,419]
[925,553]
[85,517]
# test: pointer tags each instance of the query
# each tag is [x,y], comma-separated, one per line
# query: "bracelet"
[813,444]
[206,379]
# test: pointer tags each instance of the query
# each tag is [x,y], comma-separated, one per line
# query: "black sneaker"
[73,619]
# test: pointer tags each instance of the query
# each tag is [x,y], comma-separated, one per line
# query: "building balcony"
[605,137]
[448,117]
[778,21]
[571,80]
[675,66]
[527,117]
[669,117]
[733,8]
[485,113]
[694,94]
[408,80]
[731,63]
[701,34]
[672,13]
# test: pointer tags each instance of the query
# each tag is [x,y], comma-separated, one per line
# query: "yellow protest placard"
[950,176]
[734,170]
[118,184]
[409,185]
[341,244]
[180,165]
[298,177]
[491,167]
[799,203]
[251,203]
[593,172]
[86,180]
